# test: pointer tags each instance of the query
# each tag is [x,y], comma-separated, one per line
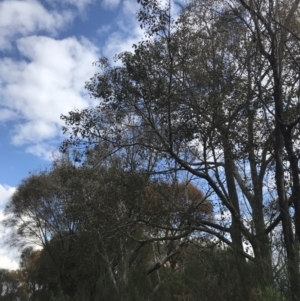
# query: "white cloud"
[33,131]
[9,256]
[7,261]
[128,32]
[130,8]
[116,43]
[43,150]
[5,193]
[110,4]
[79,4]
[104,29]
[47,83]
[6,115]
[22,18]
[48,79]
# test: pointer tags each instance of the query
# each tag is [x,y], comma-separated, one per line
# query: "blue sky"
[46,53]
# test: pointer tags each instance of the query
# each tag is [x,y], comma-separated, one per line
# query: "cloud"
[7,261]
[47,82]
[5,193]
[9,256]
[32,131]
[80,4]
[110,4]
[128,31]
[48,78]
[22,18]
[130,8]
[104,29]
[6,115]
[47,150]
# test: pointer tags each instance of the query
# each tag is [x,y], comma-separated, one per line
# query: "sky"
[47,51]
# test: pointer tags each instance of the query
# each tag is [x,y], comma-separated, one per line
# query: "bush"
[267,294]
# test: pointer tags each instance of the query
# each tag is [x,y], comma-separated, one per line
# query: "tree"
[211,93]
[12,287]
[93,224]
[275,27]
[48,209]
